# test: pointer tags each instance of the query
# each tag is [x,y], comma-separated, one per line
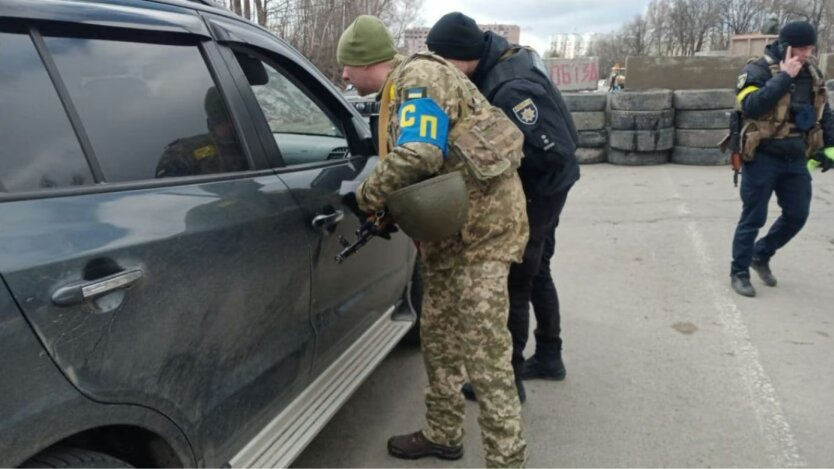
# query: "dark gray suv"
[170,211]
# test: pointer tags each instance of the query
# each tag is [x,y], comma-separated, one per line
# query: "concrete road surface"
[667,367]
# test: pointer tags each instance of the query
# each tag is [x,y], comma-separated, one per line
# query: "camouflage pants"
[464,327]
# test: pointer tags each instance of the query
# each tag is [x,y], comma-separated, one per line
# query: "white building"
[415,38]
[572,45]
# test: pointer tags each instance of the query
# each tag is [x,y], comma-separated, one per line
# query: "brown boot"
[416,446]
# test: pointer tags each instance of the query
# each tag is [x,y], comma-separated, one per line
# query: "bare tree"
[635,36]
[314,26]
[742,16]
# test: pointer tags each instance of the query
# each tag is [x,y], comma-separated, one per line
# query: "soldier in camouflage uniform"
[210,153]
[464,316]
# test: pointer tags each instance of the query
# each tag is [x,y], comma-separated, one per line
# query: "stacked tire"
[642,127]
[701,121]
[588,112]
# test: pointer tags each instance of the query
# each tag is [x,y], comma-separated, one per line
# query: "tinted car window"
[39,148]
[151,110]
[304,132]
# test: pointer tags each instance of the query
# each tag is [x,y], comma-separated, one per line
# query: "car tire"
[654,100]
[699,138]
[642,120]
[414,299]
[643,140]
[592,139]
[636,158]
[588,120]
[585,102]
[715,119]
[73,457]
[701,100]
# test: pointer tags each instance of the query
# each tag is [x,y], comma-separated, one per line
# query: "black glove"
[349,201]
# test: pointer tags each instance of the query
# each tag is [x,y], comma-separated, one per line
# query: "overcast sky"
[540,19]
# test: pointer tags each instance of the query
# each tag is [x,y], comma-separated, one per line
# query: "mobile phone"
[782,48]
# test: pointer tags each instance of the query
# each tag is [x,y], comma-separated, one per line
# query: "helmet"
[431,210]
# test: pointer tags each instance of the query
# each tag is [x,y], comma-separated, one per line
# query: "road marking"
[773,424]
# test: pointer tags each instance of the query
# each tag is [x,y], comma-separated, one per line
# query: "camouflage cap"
[366,41]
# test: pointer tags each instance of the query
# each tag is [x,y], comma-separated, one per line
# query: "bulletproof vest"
[520,62]
[807,88]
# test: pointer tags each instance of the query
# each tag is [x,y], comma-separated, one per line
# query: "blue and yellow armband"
[423,120]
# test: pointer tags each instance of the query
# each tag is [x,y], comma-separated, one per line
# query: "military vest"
[776,124]
[514,64]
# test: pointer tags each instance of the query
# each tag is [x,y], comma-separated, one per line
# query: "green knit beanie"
[366,41]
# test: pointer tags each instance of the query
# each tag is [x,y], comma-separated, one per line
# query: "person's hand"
[790,65]
[386,226]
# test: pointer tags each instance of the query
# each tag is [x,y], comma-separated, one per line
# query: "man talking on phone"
[787,133]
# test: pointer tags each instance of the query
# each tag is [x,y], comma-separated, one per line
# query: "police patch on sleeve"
[526,112]
[422,120]
[742,79]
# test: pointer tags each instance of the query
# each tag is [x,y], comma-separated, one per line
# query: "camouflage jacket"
[496,228]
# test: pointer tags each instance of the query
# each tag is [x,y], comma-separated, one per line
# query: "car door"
[311,136]
[157,256]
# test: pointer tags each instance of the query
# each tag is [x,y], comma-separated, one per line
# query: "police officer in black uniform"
[787,120]
[513,78]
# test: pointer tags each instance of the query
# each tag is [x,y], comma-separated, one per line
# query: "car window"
[303,130]
[151,110]
[39,149]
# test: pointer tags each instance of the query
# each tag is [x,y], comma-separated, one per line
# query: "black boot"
[741,284]
[538,367]
[762,267]
[416,446]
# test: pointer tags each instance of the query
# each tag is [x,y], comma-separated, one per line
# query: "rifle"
[734,144]
[379,224]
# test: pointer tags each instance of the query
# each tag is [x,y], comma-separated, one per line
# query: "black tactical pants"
[531,280]
[790,180]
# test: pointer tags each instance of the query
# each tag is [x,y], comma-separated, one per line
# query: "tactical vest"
[776,124]
[514,64]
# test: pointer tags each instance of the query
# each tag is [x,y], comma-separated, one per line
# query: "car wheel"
[415,302]
[73,457]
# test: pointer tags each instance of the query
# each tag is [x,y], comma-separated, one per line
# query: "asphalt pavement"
[667,366]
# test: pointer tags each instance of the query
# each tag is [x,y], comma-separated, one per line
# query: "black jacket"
[549,164]
[771,89]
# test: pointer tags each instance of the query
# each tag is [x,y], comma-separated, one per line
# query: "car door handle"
[323,221]
[80,292]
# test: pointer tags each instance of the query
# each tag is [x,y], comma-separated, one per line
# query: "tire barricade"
[654,127]
[642,130]
[588,112]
